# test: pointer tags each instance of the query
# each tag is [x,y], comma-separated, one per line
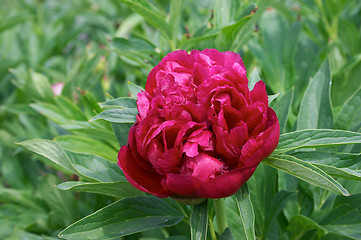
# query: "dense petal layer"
[200,131]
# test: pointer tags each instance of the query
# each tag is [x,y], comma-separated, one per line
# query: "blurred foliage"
[101,50]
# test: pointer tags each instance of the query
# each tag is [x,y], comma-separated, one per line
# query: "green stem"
[220,215]
[211,230]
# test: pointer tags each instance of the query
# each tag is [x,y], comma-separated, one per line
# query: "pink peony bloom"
[200,132]
[57,88]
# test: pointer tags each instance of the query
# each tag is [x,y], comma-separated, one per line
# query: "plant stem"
[211,230]
[220,215]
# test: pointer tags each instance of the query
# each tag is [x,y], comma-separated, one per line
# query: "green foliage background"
[58,153]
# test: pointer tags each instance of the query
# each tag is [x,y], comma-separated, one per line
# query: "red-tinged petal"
[226,184]
[190,149]
[169,162]
[255,150]
[240,70]
[142,179]
[230,58]
[143,104]
[206,167]
[225,148]
[180,57]
[200,74]
[259,93]
[181,184]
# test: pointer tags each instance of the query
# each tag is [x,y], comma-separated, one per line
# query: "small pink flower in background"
[200,132]
[57,88]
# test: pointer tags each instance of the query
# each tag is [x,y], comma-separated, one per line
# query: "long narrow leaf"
[246,212]
[305,171]
[124,217]
[315,111]
[86,165]
[120,189]
[199,221]
[127,115]
[316,138]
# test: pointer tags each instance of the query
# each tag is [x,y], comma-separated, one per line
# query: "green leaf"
[245,33]
[277,204]
[272,97]
[345,217]
[226,235]
[342,165]
[350,114]
[134,89]
[269,52]
[40,85]
[69,109]
[152,17]
[228,34]
[91,105]
[349,41]
[345,211]
[51,112]
[263,187]
[305,171]
[283,107]
[253,79]
[135,45]
[82,144]
[352,231]
[246,213]
[234,220]
[316,138]
[91,131]
[49,150]
[12,21]
[62,203]
[124,102]
[315,111]
[22,235]
[175,14]
[21,197]
[126,115]
[121,189]
[199,221]
[300,224]
[190,43]
[121,132]
[124,217]
[86,165]
[222,13]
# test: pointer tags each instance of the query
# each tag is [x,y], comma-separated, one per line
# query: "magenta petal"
[255,150]
[259,93]
[142,179]
[206,167]
[191,149]
[143,104]
[181,184]
[226,184]
[169,162]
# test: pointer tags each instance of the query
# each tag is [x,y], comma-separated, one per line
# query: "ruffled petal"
[255,150]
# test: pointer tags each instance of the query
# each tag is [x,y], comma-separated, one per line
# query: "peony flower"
[200,131]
